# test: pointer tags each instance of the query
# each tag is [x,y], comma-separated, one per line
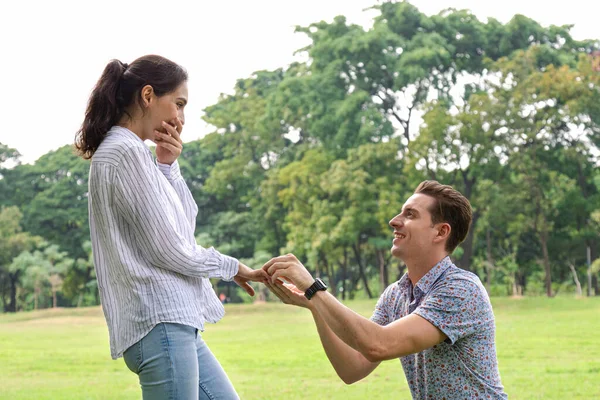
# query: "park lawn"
[548,349]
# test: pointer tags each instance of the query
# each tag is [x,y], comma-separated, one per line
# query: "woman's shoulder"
[118,143]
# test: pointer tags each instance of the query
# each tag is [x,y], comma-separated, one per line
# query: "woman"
[152,275]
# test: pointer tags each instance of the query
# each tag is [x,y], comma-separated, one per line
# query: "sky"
[54,52]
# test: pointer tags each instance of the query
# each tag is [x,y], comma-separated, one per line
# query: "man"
[437,318]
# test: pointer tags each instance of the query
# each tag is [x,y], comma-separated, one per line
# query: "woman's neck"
[134,125]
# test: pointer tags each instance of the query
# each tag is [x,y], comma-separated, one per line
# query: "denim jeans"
[173,362]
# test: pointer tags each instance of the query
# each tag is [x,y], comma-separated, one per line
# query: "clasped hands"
[285,276]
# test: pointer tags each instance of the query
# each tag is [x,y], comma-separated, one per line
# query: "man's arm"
[376,343]
[350,365]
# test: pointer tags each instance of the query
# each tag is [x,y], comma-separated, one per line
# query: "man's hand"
[168,143]
[246,274]
[289,294]
[290,269]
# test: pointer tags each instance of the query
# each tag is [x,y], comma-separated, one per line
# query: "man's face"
[414,232]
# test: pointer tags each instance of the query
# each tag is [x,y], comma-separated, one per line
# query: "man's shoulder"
[459,287]
[455,276]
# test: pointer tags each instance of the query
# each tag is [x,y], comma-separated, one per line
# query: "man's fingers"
[274,260]
[279,265]
[276,291]
[292,288]
[279,274]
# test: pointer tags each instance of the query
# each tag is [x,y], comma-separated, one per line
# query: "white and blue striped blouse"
[148,265]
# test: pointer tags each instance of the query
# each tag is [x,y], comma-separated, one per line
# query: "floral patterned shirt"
[464,366]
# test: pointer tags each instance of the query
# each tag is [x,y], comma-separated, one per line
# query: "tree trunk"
[361,270]
[589,271]
[465,260]
[344,273]
[12,306]
[490,262]
[579,291]
[383,270]
[546,260]
[36,293]
[330,276]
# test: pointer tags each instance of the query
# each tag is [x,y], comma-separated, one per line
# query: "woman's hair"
[117,89]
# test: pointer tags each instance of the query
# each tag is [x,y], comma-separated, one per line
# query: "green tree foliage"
[317,157]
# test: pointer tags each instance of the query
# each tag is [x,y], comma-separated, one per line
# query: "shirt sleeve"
[173,174]
[457,308]
[140,200]
[382,315]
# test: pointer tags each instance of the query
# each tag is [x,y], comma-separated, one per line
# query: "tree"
[13,241]
[52,195]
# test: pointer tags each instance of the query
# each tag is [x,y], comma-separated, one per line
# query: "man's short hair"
[451,207]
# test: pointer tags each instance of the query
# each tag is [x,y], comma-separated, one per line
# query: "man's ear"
[443,232]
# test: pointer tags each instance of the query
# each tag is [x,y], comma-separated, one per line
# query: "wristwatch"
[314,288]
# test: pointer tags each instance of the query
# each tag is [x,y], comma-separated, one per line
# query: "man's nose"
[396,221]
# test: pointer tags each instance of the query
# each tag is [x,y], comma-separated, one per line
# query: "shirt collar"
[122,131]
[426,282]
[116,129]
[404,282]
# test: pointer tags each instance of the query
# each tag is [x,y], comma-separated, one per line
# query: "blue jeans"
[173,362]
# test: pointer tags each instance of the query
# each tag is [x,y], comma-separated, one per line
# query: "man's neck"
[418,268]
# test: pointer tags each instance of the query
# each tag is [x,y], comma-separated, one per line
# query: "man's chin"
[396,252]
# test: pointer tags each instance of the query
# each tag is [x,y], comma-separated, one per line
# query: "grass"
[548,349]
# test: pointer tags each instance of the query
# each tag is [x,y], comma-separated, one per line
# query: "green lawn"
[548,349]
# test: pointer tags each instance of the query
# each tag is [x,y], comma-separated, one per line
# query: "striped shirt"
[148,265]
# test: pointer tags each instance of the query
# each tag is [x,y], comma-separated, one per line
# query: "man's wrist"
[316,286]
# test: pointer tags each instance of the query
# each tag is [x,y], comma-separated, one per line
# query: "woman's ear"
[147,94]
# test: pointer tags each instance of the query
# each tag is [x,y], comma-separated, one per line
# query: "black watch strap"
[314,288]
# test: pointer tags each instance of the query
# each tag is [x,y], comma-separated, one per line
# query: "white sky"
[52,52]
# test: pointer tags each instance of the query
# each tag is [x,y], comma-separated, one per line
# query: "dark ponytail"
[118,87]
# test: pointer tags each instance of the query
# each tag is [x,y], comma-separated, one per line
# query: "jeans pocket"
[133,357]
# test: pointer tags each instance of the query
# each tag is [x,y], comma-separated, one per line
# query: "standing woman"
[152,276]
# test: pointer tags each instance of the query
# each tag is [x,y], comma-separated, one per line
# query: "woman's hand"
[168,144]
[246,274]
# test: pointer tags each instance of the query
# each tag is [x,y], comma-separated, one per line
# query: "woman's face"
[168,108]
